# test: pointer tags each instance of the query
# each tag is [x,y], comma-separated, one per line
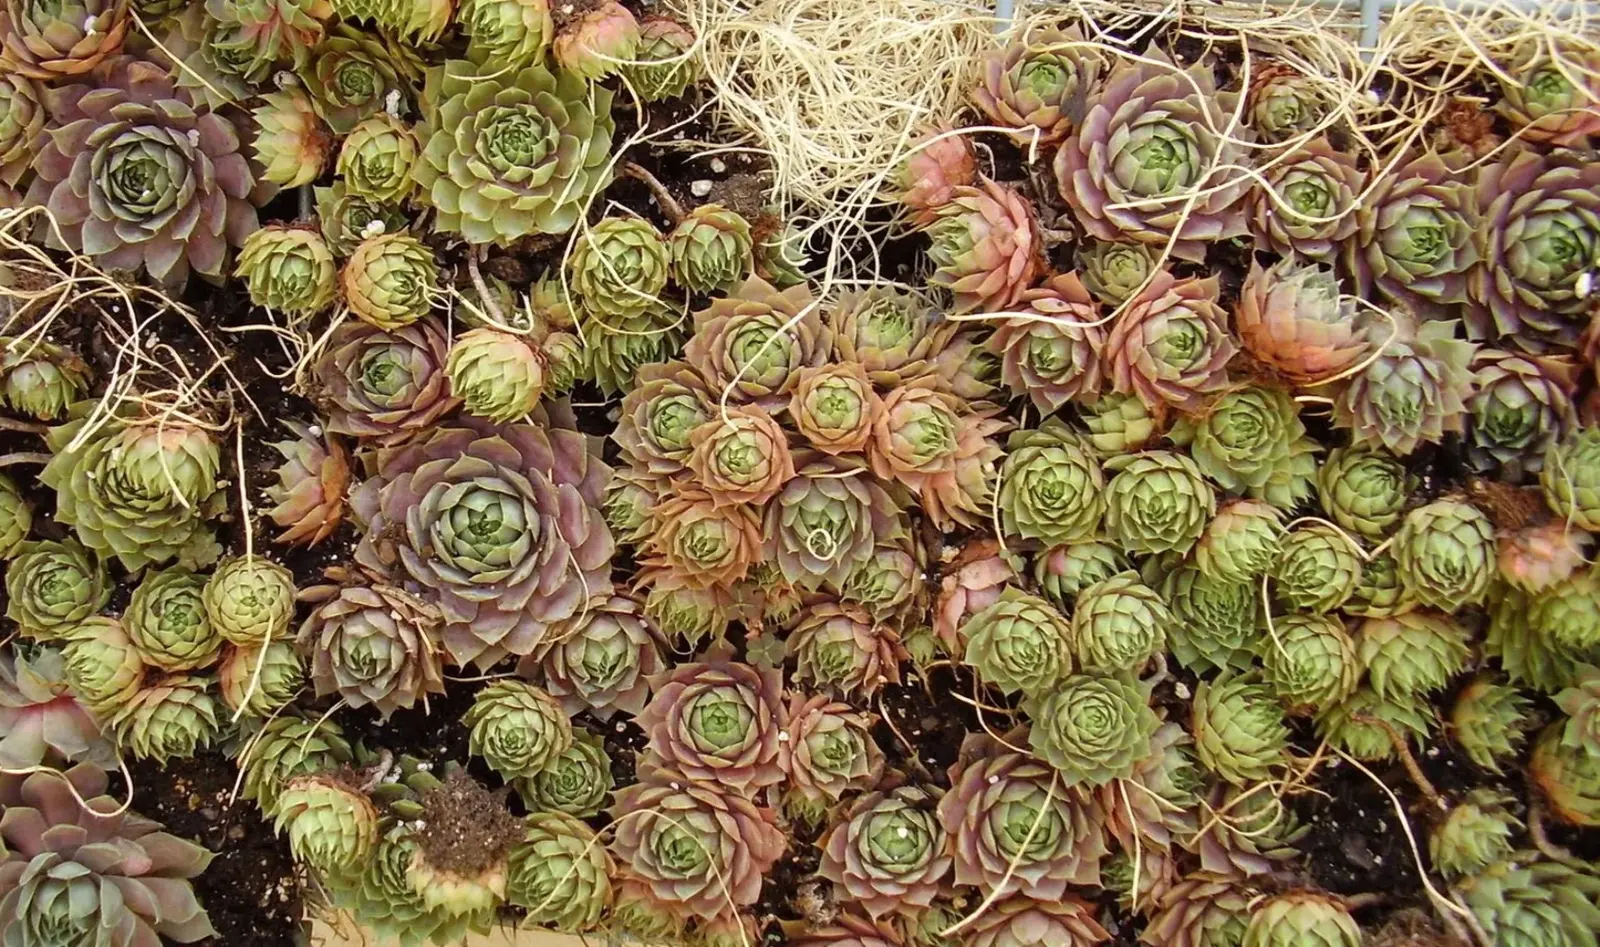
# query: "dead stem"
[1541,840]
[484,295]
[1366,899]
[23,427]
[911,750]
[669,204]
[24,457]
[1407,759]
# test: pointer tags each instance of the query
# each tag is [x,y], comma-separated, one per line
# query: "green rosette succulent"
[1364,490]
[496,375]
[1157,502]
[289,747]
[629,507]
[353,74]
[1063,572]
[332,826]
[576,782]
[1302,919]
[1238,728]
[1213,620]
[1474,834]
[1548,93]
[1284,104]
[390,280]
[1241,542]
[1520,405]
[1251,441]
[517,728]
[381,897]
[1317,569]
[506,33]
[22,118]
[619,267]
[1119,424]
[616,348]
[1567,776]
[292,143]
[250,600]
[1446,555]
[1019,644]
[377,158]
[1514,636]
[1524,902]
[1490,722]
[102,666]
[52,586]
[16,518]
[1411,654]
[1570,478]
[40,378]
[346,219]
[1310,662]
[260,694]
[661,67]
[710,249]
[172,719]
[1414,236]
[564,363]
[1379,593]
[288,269]
[1413,393]
[166,619]
[692,616]
[559,873]
[1565,619]
[1346,724]
[1114,271]
[1050,487]
[1581,703]
[509,153]
[1306,204]
[1093,727]
[1119,625]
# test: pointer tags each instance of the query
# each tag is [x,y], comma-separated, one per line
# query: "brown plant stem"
[23,427]
[1401,749]
[1541,840]
[482,287]
[669,205]
[1366,899]
[24,457]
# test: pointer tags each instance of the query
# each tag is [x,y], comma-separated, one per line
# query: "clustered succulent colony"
[1173,540]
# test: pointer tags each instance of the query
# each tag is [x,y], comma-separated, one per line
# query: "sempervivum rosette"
[1150,159]
[1519,407]
[1364,490]
[1311,662]
[1171,343]
[841,647]
[51,587]
[1292,317]
[710,249]
[668,402]
[1019,643]
[1307,202]
[741,345]
[1158,502]
[1093,727]
[1239,732]
[373,645]
[292,144]
[694,846]
[924,438]
[938,162]
[699,544]
[137,178]
[1414,392]
[1038,85]
[601,660]
[41,719]
[1052,354]
[740,456]
[828,520]
[830,751]
[1241,542]
[1050,486]
[1299,918]
[384,385]
[1202,910]
[499,524]
[1023,922]
[1445,553]
[887,330]
[1539,240]
[1412,653]
[77,868]
[289,269]
[507,153]
[888,853]
[1251,441]
[986,246]
[1414,241]
[833,407]
[718,721]
[1553,95]
[1014,830]
[662,66]
[1245,833]
[309,486]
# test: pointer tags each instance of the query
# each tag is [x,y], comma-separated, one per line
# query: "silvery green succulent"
[1241,542]
[1302,919]
[1310,662]
[332,826]
[1157,502]
[1364,490]
[1050,487]
[517,728]
[1476,832]
[559,873]
[249,600]
[40,378]
[1119,624]
[102,665]
[1411,654]
[577,781]
[1523,902]
[1345,726]
[1570,478]
[1214,623]
[1120,424]
[16,517]
[1020,643]
[166,620]
[51,586]
[1490,721]
[1238,728]
[1093,727]
[1250,440]
[1317,569]
[1379,593]
[1445,553]
[1064,571]
[167,718]
[289,746]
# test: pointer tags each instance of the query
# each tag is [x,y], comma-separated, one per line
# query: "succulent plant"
[289,747]
[1306,205]
[1213,620]
[692,845]
[1038,84]
[390,280]
[505,529]
[827,521]
[598,41]
[1490,721]
[891,581]
[709,249]
[1093,727]
[600,660]
[843,649]
[741,455]
[507,153]
[1251,441]
[576,781]
[1299,918]
[637,912]
[564,367]
[172,718]
[377,158]
[1050,487]
[346,219]
[1050,351]
[1024,922]
[40,378]
[384,385]
[42,722]
[1292,318]
[617,347]
[249,601]
[1570,478]
[1201,910]
[1020,644]
[1567,776]
[1311,663]
[1522,901]
[1121,424]
[1119,624]
[1245,833]
[1364,490]
[1581,703]
[1114,271]
[1535,558]
[1380,593]
[512,33]
[619,267]
[1238,728]
[332,826]
[16,518]
[1551,94]
[1411,654]
[718,720]
[1348,727]
[834,406]
[1241,542]
[260,694]
[923,439]
[289,269]
[48,43]
[741,346]
[102,666]
[1530,654]
[52,586]
[702,545]
[887,331]
[382,897]
[137,177]
[1317,569]
[1414,392]
[1537,234]
[1284,104]
[629,507]
[1171,344]
[1519,407]
[1063,572]
[351,75]
[559,873]
[373,645]
[1474,834]
[496,375]
[1414,240]
[888,852]
[78,868]
[517,728]
[166,621]
[986,246]
[829,752]
[935,164]
[661,66]
[1445,552]
[1157,502]
[138,490]
[459,867]
[292,144]
[850,930]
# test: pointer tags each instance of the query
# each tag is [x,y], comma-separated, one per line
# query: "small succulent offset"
[1093,727]
[1445,554]
[517,728]
[889,852]
[1019,643]
[40,378]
